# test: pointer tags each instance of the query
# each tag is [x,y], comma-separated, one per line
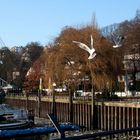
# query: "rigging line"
[2,43]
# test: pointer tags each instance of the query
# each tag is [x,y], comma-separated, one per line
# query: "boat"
[14,125]
[11,118]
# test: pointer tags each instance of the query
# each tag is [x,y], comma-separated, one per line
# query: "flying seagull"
[117,41]
[90,49]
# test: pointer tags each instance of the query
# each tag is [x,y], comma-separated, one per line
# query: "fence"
[108,115]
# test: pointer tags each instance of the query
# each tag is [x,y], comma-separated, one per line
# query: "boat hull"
[16,125]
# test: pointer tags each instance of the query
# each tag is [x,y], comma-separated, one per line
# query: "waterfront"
[78,134]
[110,116]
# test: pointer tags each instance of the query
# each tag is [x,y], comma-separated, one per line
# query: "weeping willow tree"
[64,61]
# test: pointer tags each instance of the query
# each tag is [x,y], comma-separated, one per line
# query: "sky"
[26,21]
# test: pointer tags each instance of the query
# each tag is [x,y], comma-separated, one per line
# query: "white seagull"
[117,41]
[90,50]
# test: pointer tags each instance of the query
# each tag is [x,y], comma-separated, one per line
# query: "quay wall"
[108,115]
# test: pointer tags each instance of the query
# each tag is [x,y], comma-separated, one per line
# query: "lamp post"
[39,96]
[53,99]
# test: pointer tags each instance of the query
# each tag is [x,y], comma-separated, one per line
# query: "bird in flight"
[90,49]
[117,41]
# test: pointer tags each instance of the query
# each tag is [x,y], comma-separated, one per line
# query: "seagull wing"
[82,46]
[114,39]
[91,42]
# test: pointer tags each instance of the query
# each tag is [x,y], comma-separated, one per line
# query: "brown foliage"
[105,66]
[32,79]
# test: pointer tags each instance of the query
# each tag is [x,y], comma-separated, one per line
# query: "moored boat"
[11,118]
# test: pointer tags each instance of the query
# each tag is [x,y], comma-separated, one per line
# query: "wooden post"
[112,116]
[137,123]
[89,117]
[120,118]
[115,118]
[86,115]
[108,117]
[70,106]
[39,102]
[99,116]
[92,106]
[102,116]
[123,117]
[132,114]
[128,119]
[105,117]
